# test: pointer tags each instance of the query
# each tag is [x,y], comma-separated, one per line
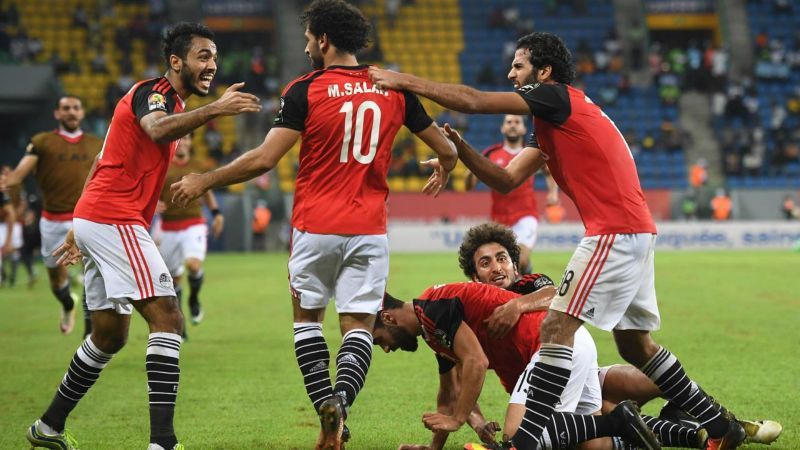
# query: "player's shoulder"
[531,282]
[43,136]
[303,81]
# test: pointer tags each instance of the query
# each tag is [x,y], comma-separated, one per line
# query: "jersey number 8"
[347,109]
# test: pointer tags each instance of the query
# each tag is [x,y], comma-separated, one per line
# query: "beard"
[405,341]
[66,125]
[189,80]
[514,140]
[316,62]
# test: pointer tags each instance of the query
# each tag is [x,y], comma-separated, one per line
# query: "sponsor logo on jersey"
[165,280]
[156,101]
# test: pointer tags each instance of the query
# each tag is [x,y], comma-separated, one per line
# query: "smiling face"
[199,67]
[493,265]
[69,113]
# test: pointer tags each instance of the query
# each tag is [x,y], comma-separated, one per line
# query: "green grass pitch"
[732,318]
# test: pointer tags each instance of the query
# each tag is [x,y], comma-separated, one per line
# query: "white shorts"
[53,234]
[121,264]
[352,269]
[610,283]
[178,246]
[526,229]
[582,394]
[16,235]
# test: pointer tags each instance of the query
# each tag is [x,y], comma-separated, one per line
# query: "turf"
[730,317]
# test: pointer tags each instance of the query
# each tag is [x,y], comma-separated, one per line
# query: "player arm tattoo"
[472,366]
[466,99]
[163,127]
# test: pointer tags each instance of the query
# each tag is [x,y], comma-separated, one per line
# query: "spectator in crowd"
[721,206]
[698,176]
[789,208]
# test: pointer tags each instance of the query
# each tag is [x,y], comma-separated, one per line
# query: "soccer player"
[184,231]
[60,160]
[339,243]
[8,217]
[123,269]
[488,255]
[610,279]
[453,320]
[516,209]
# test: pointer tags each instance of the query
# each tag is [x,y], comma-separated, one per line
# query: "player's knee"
[110,342]
[556,329]
[194,265]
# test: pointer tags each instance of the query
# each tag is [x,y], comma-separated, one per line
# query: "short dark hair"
[62,97]
[547,49]
[482,234]
[389,302]
[345,26]
[178,39]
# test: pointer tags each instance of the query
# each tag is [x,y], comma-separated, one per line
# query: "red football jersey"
[509,208]
[589,159]
[127,180]
[348,126]
[441,310]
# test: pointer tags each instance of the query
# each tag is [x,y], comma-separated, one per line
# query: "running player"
[122,266]
[184,231]
[610,280]
[339,243]
[516,209]
[8,217]
[60,160]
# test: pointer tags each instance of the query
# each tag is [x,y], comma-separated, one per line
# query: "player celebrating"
[123,269]
[516,209]
[60,160]
[610,280]
[488,255]
[339,242]
[184,231]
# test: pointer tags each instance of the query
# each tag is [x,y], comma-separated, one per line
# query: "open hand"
[502,320]
[68,252]
[235,102]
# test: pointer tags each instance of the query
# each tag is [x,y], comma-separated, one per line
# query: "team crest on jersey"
[165,280]
[156,101]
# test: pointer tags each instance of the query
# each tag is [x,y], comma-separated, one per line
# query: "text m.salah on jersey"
[363,87]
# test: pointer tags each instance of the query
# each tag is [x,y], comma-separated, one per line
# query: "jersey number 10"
[358,154]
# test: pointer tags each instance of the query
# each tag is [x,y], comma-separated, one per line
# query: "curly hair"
[342,22]
[484,234]
[177,40]
[547,49]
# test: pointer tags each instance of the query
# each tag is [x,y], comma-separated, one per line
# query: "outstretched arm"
[25,166]
[250,165]
[452,96]
[163,127]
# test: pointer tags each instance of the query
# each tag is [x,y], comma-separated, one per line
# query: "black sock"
[313,357]
[195,283]
[83,371]
[566,430]
[64,296]
[547,381]
[163,375]
[671,434]
[667,373]
[352,365]
[87,316]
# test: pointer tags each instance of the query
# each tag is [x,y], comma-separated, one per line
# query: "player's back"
[589,159]
[62,166]
[348,127]
[521,201]
[127,180]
